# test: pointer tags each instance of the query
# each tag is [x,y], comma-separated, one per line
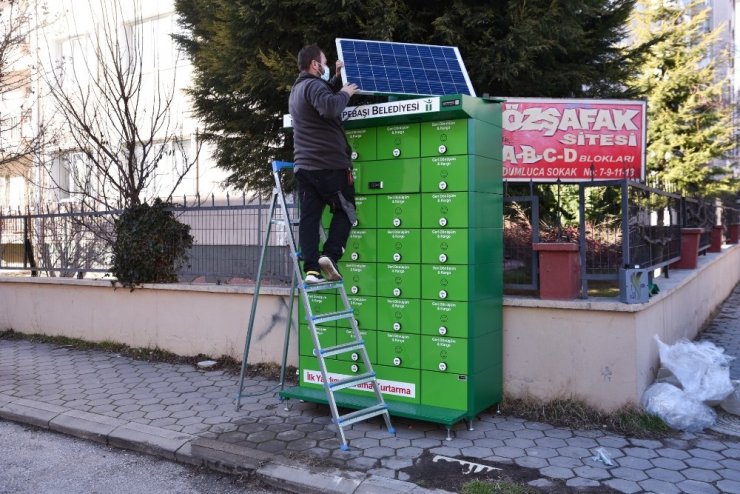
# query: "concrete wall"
[604,351]
[598,350]
[183,319]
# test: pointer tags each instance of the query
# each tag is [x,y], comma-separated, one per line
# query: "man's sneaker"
[329,268]
[313,277]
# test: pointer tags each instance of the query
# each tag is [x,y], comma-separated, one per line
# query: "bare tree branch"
[118,116]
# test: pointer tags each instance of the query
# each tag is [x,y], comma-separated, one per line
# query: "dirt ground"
[451,476]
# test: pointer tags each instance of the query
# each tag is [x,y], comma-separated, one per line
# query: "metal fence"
[622,225]
[70,242]
[700,213]
[521,229]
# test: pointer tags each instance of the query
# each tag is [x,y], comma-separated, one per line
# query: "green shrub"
[150,245]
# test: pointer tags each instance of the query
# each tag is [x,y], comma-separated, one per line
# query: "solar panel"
[382,67]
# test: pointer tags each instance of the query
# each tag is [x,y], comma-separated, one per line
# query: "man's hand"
[338,69]
[350,88]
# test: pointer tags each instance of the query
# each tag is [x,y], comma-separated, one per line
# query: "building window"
[153,39]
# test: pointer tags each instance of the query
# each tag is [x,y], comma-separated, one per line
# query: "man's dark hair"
[307,55]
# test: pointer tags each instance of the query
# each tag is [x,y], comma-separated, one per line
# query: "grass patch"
[225,363]
[574,414]
[599,288]
[495,487]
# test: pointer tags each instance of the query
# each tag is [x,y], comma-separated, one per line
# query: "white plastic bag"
[701,367]
[677,408]
[731,404]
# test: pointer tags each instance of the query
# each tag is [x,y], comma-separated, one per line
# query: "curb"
[275,470]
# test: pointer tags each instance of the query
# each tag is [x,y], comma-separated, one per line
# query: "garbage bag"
[731,404]
[677,408]
[701,367]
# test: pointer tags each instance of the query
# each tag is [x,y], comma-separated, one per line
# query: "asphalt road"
[44,462]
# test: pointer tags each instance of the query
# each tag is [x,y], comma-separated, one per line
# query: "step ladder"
[278,203]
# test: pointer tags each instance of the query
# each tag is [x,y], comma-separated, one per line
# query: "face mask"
[325,74]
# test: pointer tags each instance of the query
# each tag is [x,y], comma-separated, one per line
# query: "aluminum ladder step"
[279,221]
[343,348]
[360,415]
[333,316]
[324,285]
[351,381]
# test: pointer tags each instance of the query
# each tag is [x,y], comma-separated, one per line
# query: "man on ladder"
[323,163]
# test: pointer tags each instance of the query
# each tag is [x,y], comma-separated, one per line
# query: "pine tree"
[243,53]
[688,124]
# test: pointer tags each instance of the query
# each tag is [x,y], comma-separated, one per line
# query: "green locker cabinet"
[424,263]
[399,315]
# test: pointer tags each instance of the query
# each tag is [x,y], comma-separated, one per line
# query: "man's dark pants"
[316,189]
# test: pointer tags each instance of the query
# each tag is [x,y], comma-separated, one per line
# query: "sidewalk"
[187,414]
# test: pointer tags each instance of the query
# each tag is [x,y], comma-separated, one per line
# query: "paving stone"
[558,472]
[730,474]
[301,444]
[500,435]
[729,486]
[695,487]
[735,464]
[559,433]
[702,463]
[564,461]
[590,472]
[666,475]
[529,434]
[519,443]
[628,474]
[476,452]
[538,452]
[574,452]
[381,452]
[508,452]
[659,486]
[582,442]
[700,474]
[469,435]
[551,442]
[668,463]
[674,453]
[509,426]
[396,463]
[579,482]
[612,441]
[531,462]
[646,443]
[710,444]
[537,426]
[410,452]
[395,442]
[622,485]
[706,454]
[278,428]
[489,443]
[640,453]
[636,463]
[194,429]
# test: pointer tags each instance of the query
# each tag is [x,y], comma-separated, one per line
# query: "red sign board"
[573,140]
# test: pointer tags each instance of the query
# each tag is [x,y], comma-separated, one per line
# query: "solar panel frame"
[403,69]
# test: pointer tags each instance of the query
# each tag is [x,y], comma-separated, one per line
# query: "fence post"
[625,224]
[582,238]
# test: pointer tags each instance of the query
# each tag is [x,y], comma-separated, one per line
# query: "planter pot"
[560,270]
[689,248]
